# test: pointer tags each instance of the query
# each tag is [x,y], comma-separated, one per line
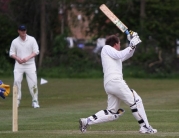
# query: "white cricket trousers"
[31,77]
[117,91]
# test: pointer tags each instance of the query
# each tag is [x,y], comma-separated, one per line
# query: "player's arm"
[18,59]
[133,43]
[12,53]
[29,57]
[34,53]
[115,54]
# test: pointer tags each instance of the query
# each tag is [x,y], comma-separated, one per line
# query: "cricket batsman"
[4,90]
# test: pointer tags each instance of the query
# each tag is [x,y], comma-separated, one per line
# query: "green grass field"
[64,101]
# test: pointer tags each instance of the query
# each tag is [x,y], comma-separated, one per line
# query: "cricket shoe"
[35,105]
[83,124]
[147,130]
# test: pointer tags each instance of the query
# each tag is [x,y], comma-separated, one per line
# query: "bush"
[75,63]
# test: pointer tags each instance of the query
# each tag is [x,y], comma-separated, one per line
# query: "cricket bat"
[114,19]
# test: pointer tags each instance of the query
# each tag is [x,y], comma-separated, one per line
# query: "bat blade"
[113,18]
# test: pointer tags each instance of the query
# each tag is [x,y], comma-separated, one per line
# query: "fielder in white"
[116,88]
[99,45]
[23,49]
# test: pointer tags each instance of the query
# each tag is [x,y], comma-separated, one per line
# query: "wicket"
[14,110]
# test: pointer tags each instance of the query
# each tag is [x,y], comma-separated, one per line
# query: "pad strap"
[141,121]
[105,112]
[95,117]
[134,110]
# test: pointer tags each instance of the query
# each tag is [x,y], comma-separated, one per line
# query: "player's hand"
[19,60]
[4,90]
[134,41]
[24,60]
[131,35]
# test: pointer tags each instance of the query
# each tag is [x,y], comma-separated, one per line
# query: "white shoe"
[147,130]
[35,105]
[83,124]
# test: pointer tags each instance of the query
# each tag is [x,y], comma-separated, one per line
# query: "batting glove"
[131,35]
[134,41]
[4,90]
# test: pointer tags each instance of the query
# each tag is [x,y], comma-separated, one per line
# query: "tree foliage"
[156,22]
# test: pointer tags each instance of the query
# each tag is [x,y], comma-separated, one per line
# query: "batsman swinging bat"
[114,19]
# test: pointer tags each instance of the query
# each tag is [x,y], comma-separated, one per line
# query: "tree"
[154,20]
[43,33]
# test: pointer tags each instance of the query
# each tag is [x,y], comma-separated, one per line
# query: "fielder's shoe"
[35,105]
[83,124]
[147,130]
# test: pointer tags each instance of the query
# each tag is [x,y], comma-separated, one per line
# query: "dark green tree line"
[156,21]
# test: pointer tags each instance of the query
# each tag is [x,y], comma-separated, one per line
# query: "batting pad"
[138,110]
[6,88]
[104,116]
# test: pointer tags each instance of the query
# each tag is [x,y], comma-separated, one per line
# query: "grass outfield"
[64,101]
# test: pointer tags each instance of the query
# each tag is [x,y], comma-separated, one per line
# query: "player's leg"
[18,76]
[133,100]
[99,117]
[110,114]
[126,95]
[31,77]
[139,113]
[138,110]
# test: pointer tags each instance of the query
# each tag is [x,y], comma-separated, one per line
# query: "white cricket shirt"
[25,48]
[112,62]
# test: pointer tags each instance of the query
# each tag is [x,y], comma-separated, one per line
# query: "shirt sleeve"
[35,47]
[12,49]
[113,53]
[128,55]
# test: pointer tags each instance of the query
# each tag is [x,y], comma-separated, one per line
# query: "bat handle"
[126,32]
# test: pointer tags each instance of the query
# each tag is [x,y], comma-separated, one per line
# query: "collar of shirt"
[26,38]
